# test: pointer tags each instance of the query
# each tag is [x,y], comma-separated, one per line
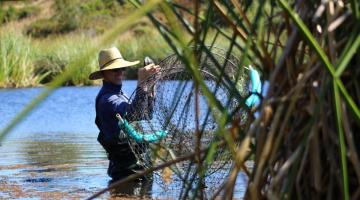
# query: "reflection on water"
[54,154]
[56,165]
[51,152]
[138,188]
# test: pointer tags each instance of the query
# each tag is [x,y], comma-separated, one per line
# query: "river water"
[54,154]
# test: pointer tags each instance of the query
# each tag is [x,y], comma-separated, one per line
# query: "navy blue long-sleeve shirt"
[110,101]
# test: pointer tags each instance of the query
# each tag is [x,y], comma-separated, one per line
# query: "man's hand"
[145,72]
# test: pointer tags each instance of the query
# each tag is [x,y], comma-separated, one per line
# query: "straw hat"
[110,59]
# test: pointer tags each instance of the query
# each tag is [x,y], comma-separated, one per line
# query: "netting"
[173,111]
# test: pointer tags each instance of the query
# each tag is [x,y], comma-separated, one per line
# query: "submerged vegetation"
[304,141]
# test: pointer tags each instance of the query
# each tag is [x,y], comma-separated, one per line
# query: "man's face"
[113,76]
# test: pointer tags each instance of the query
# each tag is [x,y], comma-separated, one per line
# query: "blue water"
[54,153]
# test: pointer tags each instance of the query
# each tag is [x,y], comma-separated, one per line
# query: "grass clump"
[57,53]
[41,60]
[12,14]
[16,61]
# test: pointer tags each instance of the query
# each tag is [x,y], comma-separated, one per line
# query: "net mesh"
[173,110]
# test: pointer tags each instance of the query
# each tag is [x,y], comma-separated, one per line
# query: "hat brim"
[116,64]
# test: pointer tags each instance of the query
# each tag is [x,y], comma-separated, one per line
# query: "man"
[111,100]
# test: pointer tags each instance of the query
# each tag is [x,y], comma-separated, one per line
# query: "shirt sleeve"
[108,106]
[141,108]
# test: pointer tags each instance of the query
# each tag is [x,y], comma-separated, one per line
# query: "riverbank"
[38,46]
[27,62]
[31,56]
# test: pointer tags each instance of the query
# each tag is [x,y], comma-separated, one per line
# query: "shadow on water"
[139,188]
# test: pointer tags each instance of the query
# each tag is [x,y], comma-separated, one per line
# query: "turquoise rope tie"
[140,137]
[254,98]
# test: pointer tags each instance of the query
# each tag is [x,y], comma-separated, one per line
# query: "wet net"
[172,109]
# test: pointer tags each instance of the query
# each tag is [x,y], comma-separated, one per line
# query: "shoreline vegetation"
[36,46]
[27,62]
[47,42]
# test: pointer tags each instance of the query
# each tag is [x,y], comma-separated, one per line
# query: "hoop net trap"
[173,112]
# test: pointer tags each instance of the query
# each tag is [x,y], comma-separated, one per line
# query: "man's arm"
[142,106]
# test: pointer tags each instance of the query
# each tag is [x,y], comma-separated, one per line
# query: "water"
[54,154]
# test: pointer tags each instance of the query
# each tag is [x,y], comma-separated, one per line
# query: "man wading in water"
[111,100]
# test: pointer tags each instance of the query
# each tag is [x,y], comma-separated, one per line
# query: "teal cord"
[140,137]
[254,98]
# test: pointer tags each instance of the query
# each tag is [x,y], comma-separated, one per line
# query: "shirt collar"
[112,87]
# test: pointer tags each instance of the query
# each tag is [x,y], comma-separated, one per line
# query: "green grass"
[53,42]
[45,58]
[12,14]
[41,60]
[17,53]
[56,53]
[27,62]
[93,15]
